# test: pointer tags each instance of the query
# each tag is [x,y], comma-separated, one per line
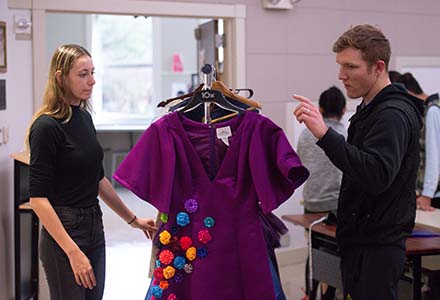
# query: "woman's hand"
[424,203]
[146,224]
[82,269]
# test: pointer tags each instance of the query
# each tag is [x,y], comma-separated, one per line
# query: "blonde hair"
[57,94]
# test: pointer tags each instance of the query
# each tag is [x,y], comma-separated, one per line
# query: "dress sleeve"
[148,169]
[276,169]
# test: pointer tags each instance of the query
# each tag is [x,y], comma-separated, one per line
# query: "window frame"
[233,14]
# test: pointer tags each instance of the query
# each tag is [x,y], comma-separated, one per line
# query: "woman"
[66,176]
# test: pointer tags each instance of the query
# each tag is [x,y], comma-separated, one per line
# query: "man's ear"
[58,77]
[380,66]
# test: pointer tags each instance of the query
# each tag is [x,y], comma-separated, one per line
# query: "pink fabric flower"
[204,236]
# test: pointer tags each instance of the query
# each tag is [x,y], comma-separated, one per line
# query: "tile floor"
[128,254]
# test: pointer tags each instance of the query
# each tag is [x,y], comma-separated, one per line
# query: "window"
[122,51]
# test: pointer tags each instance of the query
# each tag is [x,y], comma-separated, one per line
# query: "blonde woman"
[66,176]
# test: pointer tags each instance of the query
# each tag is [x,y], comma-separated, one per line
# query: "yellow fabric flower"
[164,237]
[191,253]
[168,272]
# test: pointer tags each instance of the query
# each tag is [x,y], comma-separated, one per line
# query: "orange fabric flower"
[164,237]
[163,284]
[191,253]
[169,272]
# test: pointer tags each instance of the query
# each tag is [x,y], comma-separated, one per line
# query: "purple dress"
[212,245]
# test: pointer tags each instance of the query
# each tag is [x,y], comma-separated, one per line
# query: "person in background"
[321,190]
[428,179]
[394,76]
[66,176]
[379,162]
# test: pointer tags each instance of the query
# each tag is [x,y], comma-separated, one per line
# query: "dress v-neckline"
[233,143]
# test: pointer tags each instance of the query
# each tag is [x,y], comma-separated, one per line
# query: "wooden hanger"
[221,87]
[182,97]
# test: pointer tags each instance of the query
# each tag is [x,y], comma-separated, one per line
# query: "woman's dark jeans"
[84,225]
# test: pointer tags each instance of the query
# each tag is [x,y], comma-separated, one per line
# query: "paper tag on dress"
[223,133]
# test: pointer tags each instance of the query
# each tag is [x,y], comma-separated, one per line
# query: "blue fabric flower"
[182,219]
[209,222]
[179,262]
[156,291]
[174,230]
[201,252]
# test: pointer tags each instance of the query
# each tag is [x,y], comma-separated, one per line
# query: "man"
[376,206]
[428,179]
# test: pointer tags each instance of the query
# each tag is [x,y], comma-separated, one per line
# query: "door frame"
[233,14]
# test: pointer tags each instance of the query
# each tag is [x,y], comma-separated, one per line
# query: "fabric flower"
[172,297]
[204,236]
[185,242]
[175,245]
[179,262]
[209,222]
[201,252]
[156,291]
[188,268]
[182,219]
[191,205]
[169,272]
[158,273]
[157,263]
[166,257]
[174,229]
[163,217]
[191,253]
[178,278]
[164,284]
[164,237]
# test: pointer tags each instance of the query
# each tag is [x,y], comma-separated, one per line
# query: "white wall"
[15,117]
[65,29]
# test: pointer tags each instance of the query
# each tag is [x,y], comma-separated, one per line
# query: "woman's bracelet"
[132,220]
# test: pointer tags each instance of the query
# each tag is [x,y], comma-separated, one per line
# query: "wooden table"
[416,247]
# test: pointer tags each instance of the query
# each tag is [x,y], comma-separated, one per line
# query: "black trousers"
[84,225]
[372,272]
[435,202]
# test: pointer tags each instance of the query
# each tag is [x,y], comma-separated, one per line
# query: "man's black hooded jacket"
[379,162]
